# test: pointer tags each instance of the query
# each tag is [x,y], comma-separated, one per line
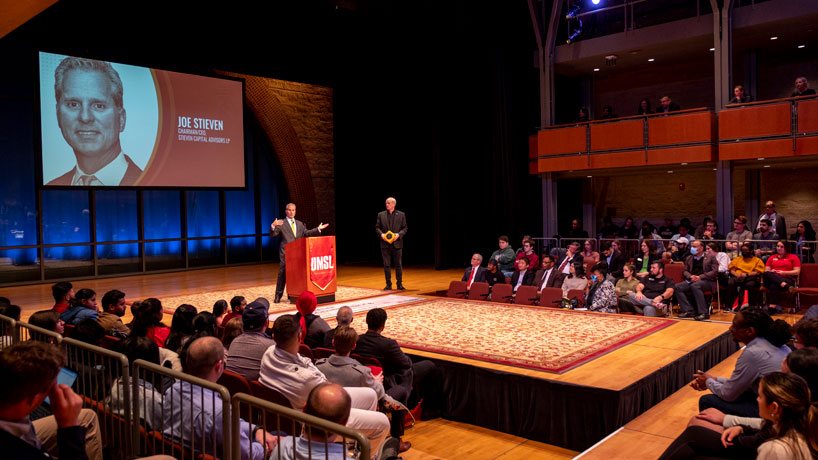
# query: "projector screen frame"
[38,140]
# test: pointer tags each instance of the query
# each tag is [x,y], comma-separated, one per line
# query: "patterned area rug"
[532,337]
[204,301]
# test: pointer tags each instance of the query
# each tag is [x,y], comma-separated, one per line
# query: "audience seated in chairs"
[765,233]
[722,258]
[205,359]
[29,371]
[614,259]
[739,235]
[575,280]
[602,294]
[700,275]
[48,320]
[475,273]
[666,105]
[589,254]
[313,326]
[113,309]
[82,307]
[572,255]
[294,376]
[653,291]
[237,304]
[765,341]
[148,320]
[406,381]
[802,88]
[781,273]
[220,310]
[740,96]
[626,286]
[786,429]
[246,351]
[348,372]
[644,107]
[493,273]
[504,257]
[523,276]
[343,317]
[150,407]
[576,230]
[746,272]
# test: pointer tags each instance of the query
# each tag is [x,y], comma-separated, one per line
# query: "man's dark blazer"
[70,444]
[555,280]
[674,107]
[528,278]
[616,265]
[397,367]
[131,175]
[480,277]
[710,266]
[398,226]
[286,232]
[577,257]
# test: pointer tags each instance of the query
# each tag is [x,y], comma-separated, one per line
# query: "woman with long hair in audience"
[804,233]
[626,286]
[232,329]
[148,321]
[785,430]
[575,280]
[647,255]
[181,327]
[781,271]
[644,107]
[589,252]
[48,320]
[83,306]
[220,309]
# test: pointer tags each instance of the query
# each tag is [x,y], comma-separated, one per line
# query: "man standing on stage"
[289,230]
[391,223]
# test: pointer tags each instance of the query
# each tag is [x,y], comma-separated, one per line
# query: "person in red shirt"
[63,295]
[782,270]
[237,304]
[148,321]
[528,253]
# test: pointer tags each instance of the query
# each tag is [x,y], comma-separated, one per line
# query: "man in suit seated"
[547,276]
[523,276]
[614,259]
[667,105]
[342,318]
[475,273]
[400,374]
[91,116]
[572,255]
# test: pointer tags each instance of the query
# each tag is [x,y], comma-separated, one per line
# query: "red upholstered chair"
[579,294]
[288,425]
[808,282]
[551,297]
[109,342]
[502,293]
[68,330]
[366,360]
[305,351]
[479,291]
[457,290]
[321,352]
[526,295]
[675,272]
[234,383]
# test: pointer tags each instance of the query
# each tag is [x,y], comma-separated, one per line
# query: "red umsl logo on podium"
[322,265]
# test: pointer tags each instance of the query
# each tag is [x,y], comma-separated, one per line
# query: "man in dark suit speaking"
[391,222]
[290,230]
[91,116]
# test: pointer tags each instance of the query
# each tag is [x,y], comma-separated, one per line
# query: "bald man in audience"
[330,402]
[344,318]
[294,376]
[194,413]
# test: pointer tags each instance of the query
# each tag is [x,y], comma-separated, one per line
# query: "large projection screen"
[104,124]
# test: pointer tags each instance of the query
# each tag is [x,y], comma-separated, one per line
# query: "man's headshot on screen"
[91,116]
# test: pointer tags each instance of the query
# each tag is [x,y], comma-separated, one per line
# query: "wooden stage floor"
[433,439]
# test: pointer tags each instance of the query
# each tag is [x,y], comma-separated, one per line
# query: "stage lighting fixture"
[595,2]
[572,13]
[573,36]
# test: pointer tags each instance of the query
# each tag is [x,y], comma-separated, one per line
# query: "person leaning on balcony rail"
[740,96]
[644,107]
[667,105]
[739,235]
[803,238]
[802,88]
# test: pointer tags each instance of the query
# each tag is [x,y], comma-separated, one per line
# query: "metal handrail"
[141,367]
[309,421]
[36,333]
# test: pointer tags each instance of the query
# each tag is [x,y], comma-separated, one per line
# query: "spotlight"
[800,46]
[595,2]
[651,60]
[773,38]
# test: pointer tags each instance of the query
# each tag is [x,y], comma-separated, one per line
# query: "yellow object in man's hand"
[389,237]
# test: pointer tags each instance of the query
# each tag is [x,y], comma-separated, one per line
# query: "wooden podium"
[311,267]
